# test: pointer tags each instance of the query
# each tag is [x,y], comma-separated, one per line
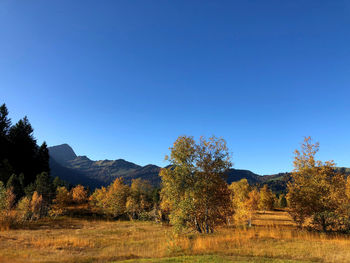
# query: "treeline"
[138,201]
[24,166]
[196,196]
[24,171]
[193,194]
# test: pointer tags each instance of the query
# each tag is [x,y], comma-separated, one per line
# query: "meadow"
[273,238]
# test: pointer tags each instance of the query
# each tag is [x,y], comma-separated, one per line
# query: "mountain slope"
[81,170]
[72,176]
[62,153]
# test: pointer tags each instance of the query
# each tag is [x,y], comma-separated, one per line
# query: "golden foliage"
[111,201]
[193,188]
[60,203]
[317,192]
[267,199]
[37,205]
[79,194]
[24,211]
[139,200]
[7,214]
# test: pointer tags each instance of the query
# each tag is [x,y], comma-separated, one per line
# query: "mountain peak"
[62,153]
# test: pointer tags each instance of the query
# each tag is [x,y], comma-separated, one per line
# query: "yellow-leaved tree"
[111,200]
[61,202]
[239,197]
[37,206]
[317,191]
[7,199]
[79,194]
[140,199]
[267,199]
[194,189]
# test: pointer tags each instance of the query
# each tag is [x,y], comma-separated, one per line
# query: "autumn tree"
[79,194]
[282,201]
[98,197]
[194,187]
[7,200]
[347,187]
[38,207]
[24,211]
[111,200]
[139,199]
[61,202]
[252,203]
[239,196]
[267,199]
[317,191]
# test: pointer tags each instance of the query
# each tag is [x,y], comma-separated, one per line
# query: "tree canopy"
[193,187]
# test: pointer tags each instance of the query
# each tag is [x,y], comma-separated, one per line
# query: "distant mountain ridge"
[62,153]
[81,170]
[65,164]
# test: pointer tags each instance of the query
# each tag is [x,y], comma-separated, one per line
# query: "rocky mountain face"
[62,153]
[65,164]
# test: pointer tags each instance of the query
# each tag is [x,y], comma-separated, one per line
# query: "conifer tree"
[43,186]
[16,183]
[23,150]
[43,159]
[5,124]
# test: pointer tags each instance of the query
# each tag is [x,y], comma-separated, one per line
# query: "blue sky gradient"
[123,79]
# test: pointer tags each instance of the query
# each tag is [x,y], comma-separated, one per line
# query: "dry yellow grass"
[76,240]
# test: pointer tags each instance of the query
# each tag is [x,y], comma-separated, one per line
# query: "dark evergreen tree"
[23,150]
[6,170]
[5,124]
[43,185]
[43,159]
[29,189]
[16,184]
[19,154]
[57,182]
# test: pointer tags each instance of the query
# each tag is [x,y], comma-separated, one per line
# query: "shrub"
[79,194]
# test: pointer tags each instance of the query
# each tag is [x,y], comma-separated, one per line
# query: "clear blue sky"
[123,79]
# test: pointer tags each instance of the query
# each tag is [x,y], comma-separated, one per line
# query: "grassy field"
[273,238]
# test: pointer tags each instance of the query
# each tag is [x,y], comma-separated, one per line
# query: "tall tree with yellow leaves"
[317,191]
[193,188]
[112,200]
[239,197]
[267,199]
[140,198]
[61,202]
